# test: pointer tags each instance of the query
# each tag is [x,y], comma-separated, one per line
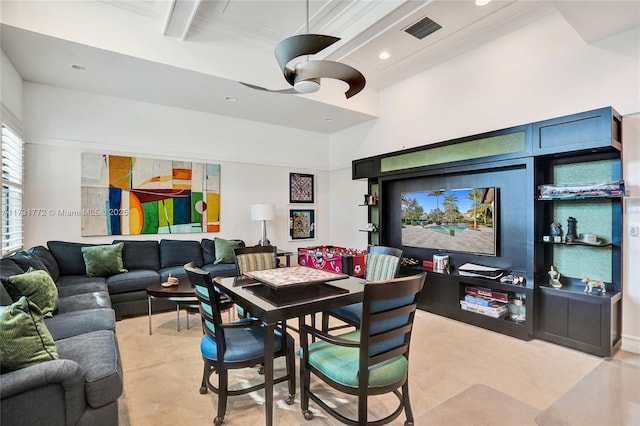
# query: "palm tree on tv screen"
[437,194]
[450,204]
[475,196]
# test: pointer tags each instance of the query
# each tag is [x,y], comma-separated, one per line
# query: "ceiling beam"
[180,15]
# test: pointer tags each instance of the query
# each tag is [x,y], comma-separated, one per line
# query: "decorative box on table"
[333,258]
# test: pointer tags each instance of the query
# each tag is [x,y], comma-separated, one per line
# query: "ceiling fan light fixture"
[305,76]
[311,85]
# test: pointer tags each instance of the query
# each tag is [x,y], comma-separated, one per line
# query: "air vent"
[423,28]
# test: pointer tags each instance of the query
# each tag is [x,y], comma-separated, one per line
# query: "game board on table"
[294,275]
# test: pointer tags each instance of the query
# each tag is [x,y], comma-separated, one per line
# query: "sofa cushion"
[224,250]
[97,354]
[175,271]
[103,260]
[47,260]
[5,297]
[140,255]
[84,287]
[132,281]
[208,250]
[26,260]
[80,302]
[8,268]
[24,339]
[221,269]
[179,252]
[69,257]
[80,322]
[38,287]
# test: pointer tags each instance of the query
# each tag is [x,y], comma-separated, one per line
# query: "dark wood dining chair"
[255,258]
[234,345]
[371,360]
[382,263]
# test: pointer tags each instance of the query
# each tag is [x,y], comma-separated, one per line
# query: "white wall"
[255,160]
[10,87]
[541,71]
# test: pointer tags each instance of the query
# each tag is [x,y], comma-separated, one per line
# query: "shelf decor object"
[572,192]
[263,212]
[301,188]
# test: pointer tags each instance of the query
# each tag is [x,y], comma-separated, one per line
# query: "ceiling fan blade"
[332,69]
[282,91]
[301,44]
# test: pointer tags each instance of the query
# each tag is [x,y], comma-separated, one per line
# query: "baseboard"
[631,344]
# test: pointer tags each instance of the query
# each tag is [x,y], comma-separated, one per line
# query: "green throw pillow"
[103,261]
[224,250]
[38,286]
[24,339]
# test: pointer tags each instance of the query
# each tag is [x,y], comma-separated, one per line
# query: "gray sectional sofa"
[146,262]
[82,387]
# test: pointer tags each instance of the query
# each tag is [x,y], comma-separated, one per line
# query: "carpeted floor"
[459,375]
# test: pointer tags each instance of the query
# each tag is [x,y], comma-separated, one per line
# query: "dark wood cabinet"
[578,149]
[365,168]
[586,131]
[580,321]
[444,291]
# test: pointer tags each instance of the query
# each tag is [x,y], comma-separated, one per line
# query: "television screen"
[457,220]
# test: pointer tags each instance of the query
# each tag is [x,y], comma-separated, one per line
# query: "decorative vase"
[571,230]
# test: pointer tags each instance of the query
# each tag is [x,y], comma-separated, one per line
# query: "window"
[12,170]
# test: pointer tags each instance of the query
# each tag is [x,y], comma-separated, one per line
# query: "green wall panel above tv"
[479,148]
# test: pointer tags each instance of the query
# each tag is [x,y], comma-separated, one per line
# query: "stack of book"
[485,301]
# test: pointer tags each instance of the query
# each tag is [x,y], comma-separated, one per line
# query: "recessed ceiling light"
[78,67]
[384,55]
[482,2]
[230,98]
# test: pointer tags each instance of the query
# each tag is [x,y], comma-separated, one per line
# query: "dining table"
[273,304]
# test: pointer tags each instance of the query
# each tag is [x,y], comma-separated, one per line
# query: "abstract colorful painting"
[302,224]
[130,195]
[300,188]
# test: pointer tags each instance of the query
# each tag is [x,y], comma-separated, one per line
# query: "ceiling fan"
[305,76]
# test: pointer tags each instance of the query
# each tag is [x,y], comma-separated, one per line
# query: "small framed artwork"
[301,188]
[302,224]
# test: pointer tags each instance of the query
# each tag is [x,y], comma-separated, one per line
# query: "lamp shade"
[263,212]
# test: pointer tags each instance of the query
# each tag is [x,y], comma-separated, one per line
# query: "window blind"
[12,173]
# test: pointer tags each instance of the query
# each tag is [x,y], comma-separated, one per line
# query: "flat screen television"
[455,220]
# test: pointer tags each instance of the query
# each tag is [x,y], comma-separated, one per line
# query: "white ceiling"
[192,53]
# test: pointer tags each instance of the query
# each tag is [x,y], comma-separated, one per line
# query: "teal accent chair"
[382,263]
[256,258]
[233,345]
[372,360]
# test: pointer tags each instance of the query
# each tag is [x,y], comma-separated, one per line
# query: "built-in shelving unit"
[373,216]
[568,315]
[543,172]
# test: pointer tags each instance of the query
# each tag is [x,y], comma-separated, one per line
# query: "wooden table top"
[183,289]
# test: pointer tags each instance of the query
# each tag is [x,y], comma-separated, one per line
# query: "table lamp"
[263,212]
